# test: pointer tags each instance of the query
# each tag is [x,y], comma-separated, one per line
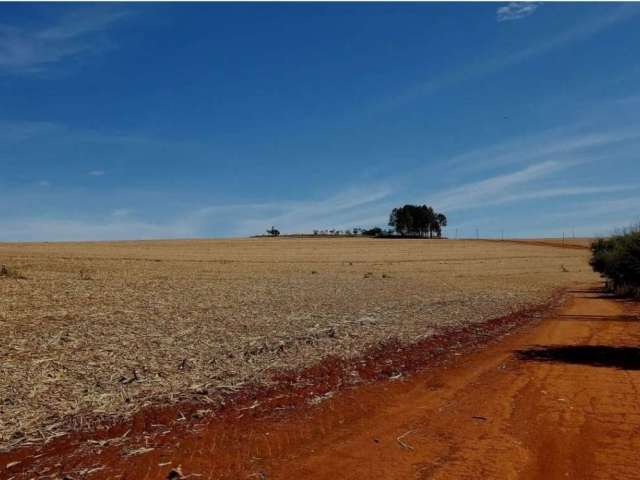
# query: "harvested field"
[580,242]
[97,330]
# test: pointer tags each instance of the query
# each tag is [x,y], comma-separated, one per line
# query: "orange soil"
[558,398]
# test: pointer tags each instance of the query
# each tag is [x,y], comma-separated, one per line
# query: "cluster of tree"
[618,259]
[417,220]
[409,220]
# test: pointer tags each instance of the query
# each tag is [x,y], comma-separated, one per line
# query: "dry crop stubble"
[100,330]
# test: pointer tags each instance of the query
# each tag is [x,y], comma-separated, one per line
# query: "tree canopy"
[417,220]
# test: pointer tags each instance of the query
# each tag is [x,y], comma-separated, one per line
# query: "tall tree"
[417,220]
[440,221]
[402,220]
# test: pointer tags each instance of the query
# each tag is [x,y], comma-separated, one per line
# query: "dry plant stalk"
[162,321]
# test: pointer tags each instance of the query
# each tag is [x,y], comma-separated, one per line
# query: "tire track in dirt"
[558,398]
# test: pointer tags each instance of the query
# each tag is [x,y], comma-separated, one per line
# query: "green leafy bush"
[618,259]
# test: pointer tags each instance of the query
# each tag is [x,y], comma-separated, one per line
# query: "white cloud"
[44,183]
[581,31]
[526,169]
[346,209]
[96,173]
[519,186]
[549,144]
[364,207]
[494,189]
[516,10]
[30,50]
[487,66]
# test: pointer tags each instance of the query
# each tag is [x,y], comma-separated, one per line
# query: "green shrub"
[618,260]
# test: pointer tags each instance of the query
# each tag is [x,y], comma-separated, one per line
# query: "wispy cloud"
[29,50]
[365,206]
[516,11]
[528,169]
[345,209]
[480,193]
[519,186]
[600,208]
[546,193]
[547,144]
[96,173]
[487,66]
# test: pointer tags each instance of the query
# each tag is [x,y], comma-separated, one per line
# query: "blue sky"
[122,121]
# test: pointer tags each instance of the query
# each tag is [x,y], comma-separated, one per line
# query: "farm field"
[96,330]
[580,242]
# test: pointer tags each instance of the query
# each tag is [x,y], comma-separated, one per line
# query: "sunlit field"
[102,329]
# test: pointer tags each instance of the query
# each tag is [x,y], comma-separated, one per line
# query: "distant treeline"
[617,258]
[413,221]
[366,232]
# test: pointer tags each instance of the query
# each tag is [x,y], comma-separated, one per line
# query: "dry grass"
[584,242]
[7,272]
[105,328]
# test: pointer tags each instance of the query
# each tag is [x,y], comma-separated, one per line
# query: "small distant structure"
[274,232]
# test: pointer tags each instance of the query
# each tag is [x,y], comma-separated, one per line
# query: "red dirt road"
[566,404]
[560,398]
